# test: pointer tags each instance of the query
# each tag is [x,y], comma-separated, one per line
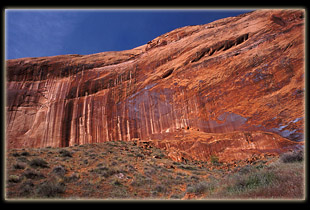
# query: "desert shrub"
[160,188]
[26,188]
[177,196]
[108,171]
[141,180]
[23,159]
[65,153]
[59,170]
[50,189]
[181,174]
[130,168]
[246,169]
[30,174]
[260,179]
[119,191]
[214,160]
[73,177]
[176,163]
[113,163]
[255,180]
[24,153]
[139,155]
[290,157]
[19,165]
[38,162]
[157,153]
[187,167]
[193,177]
[103,170]
[14,179]
[15,154]
[116,182]
[200,187]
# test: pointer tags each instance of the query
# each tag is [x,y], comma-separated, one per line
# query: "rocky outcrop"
[226,147]
[239,74]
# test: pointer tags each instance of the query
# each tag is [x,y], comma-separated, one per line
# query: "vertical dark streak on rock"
[66,123]
[77,134]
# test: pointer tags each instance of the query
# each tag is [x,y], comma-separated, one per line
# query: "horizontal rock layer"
[239,74]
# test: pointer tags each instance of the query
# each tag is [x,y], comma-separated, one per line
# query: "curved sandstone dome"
[232,88]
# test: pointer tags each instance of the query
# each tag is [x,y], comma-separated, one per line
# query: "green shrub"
[214,160]
[259,179]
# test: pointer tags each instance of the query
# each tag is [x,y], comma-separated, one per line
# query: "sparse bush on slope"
[294,156]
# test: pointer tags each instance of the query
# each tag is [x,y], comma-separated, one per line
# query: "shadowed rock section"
[223,45]
[241,74]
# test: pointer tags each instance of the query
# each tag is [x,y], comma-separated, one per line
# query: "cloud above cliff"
[35,33]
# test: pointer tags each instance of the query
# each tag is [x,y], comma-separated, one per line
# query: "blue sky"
[36,33]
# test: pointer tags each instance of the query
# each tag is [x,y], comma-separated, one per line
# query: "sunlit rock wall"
[243,73]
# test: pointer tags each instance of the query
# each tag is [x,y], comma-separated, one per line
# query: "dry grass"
[279,180]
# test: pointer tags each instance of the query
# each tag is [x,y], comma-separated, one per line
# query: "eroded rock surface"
[236,85]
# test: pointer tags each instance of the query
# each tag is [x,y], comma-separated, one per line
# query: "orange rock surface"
[232,88]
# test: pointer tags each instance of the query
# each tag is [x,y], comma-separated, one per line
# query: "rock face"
[228,87]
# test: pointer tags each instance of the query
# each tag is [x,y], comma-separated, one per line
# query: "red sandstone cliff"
[233,86]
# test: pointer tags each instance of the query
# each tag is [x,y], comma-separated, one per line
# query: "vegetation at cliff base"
[125,170]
